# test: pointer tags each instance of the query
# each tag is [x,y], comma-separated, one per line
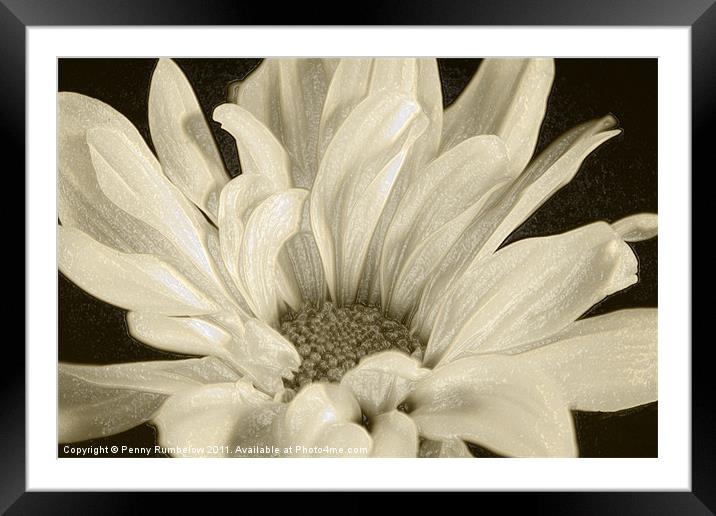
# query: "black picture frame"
[700,15]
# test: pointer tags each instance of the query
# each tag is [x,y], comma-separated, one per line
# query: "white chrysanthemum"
[347,291]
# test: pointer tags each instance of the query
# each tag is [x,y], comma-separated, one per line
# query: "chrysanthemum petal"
[494,401]
[255,435]
[604,363]
[353,81]
[259,150]
[110,412]
[131,281]
[199,421]
[253,348]
[287,96]
[394,435]
[96,401]
[318,404]
[457,182]
[506,97]
[329,66]
[448,448]
[183,140]
[258,93]
[307,266]
[238,200]
[359,226]
[549,172]
[320,415]
[302,90]
[529,290]
[266,355]
[423,259]
[134,181]
[635,228]
[269,226]
[358,171]
[85,207]
[160,376]
[481,160]
[348,88]
[232,300]
[420,78]
[382,381]
[342,440]
[187,335]
[289,290]
[81,202]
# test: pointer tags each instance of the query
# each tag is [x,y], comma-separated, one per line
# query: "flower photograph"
[358,257]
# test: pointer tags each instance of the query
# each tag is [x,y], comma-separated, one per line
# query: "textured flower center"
[331,339]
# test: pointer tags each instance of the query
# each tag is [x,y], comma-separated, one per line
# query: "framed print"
[268,250]
[103,339]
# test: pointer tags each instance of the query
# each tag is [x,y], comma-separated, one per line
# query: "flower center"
[331,339]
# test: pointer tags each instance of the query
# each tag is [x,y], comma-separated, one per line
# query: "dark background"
[618,179]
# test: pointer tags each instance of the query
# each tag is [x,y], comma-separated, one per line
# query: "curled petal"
[260,353]
[287,96]
[259,150]
[238,200]
[270,225]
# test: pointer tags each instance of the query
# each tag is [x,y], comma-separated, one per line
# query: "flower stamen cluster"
[332,339]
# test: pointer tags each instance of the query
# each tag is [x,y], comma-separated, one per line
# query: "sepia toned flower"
[348,294]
